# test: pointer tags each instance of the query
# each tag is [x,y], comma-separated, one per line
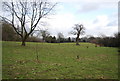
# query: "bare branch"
[6,19]
[50,9]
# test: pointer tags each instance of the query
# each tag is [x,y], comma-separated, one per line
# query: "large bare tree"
[79,29]
[24,16]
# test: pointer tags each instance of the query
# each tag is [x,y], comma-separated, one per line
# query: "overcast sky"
[97,16]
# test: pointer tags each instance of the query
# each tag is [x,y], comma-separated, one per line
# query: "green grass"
[58,61]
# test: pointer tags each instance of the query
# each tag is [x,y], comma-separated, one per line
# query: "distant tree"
[48,39]
[108,41]
[8,33]
[91,38]
[69,39]
[78,30]
[84,39]
[44,34]
[21,13]
[117,39]
[34,39]
[60,37]
[53,39]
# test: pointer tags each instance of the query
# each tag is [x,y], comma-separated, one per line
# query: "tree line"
[8,34]
[107,41]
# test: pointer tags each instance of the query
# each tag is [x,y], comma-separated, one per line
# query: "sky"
[97,16]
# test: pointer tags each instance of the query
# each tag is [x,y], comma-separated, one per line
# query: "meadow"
[58,61]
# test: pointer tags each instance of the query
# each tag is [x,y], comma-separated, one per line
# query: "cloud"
[113,23]
[113,18]
[105,20]
[100,25]
[101,20]
[64,23]
[60,23]
[89,7]
[95,6]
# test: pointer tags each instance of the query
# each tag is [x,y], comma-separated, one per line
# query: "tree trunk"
[24,40]
[77,42]
[23,43]
[77,39]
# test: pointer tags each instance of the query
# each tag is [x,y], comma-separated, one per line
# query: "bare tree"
[78,30]
[25,16]
[44,34]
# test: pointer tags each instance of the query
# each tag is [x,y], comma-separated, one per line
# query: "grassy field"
[58,61]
